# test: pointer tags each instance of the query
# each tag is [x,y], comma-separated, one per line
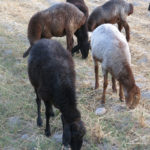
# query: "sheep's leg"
[70,41]
[96,74]
[127,29]
[75,49]
[120,26]
[104,87]
[82,39]
[120,92]
[66,134]
[38,101]
[51,112]
[47,114]
[114,85]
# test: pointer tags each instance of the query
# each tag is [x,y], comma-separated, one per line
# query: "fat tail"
[26,53]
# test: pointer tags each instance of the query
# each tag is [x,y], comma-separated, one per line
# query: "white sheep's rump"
[111,48]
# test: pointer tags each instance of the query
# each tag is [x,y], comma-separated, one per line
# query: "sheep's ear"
[66,133]
[26,53]
[131,9]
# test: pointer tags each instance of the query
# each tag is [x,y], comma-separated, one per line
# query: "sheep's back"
[50,66]
[66,15]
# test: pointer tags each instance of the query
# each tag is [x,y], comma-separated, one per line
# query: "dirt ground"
[118,129]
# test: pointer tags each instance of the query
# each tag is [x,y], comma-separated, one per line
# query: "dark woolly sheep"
[113,11]
[51,72]
[58,20]
[110,47]
[81,33]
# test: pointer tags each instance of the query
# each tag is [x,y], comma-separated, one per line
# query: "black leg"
[66,134]
[75,49]
[47,114]
[38,101]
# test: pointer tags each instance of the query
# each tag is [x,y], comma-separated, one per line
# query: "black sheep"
[51,72]
[82,32]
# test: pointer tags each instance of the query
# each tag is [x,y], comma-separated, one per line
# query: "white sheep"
[110,47]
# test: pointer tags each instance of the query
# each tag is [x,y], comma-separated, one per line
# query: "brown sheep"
[58,20]
[113,11]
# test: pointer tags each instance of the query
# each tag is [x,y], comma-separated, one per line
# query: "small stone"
[100,111]
[51,2]
[9,148]
[118,108]
[57,137]
[2,39]
[25,136]
[136,4]
[143,60]
[146,94]
[13,121]
[8,52]
[1,76]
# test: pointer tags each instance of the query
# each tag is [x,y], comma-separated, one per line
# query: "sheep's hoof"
[39,122]
[65,148]
[114,90]
[131,107]
[121,100]
[96,86]
[102,101]
[47,133]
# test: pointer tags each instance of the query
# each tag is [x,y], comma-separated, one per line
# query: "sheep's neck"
[126,78]
[70,113]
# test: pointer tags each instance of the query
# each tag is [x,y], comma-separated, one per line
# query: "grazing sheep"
[58,20]
[51,73]
[110,47]
[81,33]
[113,11]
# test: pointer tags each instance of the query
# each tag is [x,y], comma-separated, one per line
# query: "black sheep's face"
[77,132]
[85,49]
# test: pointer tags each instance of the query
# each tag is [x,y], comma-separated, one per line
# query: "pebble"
[57,137]
[100,111]
[25,136]
[13,121]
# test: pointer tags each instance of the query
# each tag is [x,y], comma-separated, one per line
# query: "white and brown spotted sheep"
[110,47]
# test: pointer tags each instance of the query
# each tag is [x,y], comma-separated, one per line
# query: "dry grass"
[118,129]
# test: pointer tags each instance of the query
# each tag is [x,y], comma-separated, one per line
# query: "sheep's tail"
[26,53]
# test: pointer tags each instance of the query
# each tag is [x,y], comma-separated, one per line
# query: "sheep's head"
[91,22]
[85,49]
[130,10]
[77,133]
[133,97]
[73,135]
